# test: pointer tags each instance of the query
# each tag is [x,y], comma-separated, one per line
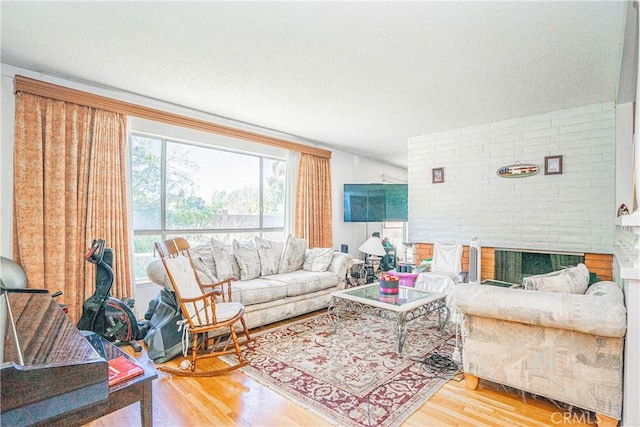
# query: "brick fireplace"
[600,264]
[567,213]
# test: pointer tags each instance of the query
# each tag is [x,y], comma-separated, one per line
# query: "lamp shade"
[373,246]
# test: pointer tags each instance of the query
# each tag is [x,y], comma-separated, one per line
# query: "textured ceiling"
[359,76]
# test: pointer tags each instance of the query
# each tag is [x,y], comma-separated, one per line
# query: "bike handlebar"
[95,253]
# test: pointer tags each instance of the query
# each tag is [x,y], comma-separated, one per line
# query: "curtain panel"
[69,188]
[313,201]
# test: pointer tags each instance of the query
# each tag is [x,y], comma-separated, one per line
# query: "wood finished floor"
[237,400]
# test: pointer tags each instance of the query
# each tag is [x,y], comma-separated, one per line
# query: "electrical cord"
[440,366]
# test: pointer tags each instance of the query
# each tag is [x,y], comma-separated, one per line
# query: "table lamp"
[373,247]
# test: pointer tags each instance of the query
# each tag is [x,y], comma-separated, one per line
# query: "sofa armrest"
[339,264]
[590,314]
[158,275]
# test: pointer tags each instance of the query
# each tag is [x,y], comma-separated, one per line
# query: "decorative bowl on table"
[389,285]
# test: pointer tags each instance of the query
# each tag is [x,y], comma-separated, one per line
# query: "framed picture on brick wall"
[437,175]
[553,165]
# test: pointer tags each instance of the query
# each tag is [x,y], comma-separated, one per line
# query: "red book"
[121,369]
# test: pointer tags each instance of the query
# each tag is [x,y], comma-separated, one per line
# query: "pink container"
[389,287]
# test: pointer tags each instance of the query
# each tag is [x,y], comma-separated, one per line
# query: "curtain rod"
[50,90]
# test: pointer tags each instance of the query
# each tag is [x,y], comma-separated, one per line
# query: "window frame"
[167,233]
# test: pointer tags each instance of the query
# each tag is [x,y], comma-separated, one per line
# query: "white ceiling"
[359,76]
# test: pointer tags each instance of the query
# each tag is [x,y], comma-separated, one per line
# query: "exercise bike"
[104,314]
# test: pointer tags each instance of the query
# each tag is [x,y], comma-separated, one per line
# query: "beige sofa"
[297,281]
[564,346]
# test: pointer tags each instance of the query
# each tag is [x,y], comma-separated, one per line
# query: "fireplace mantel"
[632,220]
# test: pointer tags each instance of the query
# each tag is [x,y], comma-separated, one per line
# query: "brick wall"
[572,212]
[600,264]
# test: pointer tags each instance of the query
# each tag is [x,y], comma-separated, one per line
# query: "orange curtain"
[69,188]
[313,201]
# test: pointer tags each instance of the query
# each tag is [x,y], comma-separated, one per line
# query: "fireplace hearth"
[513,265]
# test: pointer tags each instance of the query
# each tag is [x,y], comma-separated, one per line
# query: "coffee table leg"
[401,324]
[442,323]
[334,313]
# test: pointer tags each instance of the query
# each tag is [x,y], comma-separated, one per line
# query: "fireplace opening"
[512,266]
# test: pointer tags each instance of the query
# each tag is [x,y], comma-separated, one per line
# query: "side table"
[136,389]
[356,274]
[404,279]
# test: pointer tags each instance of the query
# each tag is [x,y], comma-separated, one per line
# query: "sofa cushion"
[270,254]
[248,260]
[204,273]
[293,254]
[340,263]
[573,280]
[226,264]
[302,282]
[205,254]
[257,291]
[317,259]
[606,289]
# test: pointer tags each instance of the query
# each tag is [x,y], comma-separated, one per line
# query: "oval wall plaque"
[517,170]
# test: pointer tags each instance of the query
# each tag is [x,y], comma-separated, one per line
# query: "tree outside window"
[199,192]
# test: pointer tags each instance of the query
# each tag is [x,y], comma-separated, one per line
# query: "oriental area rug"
[352,377]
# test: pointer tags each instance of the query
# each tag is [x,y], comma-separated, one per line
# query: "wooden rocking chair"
[206,308]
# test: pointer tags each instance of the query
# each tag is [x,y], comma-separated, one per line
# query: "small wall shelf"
[632,220]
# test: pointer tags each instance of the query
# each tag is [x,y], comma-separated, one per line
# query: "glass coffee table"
[408,305]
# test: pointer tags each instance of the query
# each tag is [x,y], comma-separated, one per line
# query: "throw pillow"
[270,254]
[606,289]
[204,273]
[205,254]
[226,264]
[248,260]
[293,254]
[573,280]
[317,259]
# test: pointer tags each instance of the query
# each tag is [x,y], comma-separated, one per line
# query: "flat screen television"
[375,202]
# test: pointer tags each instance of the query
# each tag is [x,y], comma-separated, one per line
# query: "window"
[199,191]
[396,232]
